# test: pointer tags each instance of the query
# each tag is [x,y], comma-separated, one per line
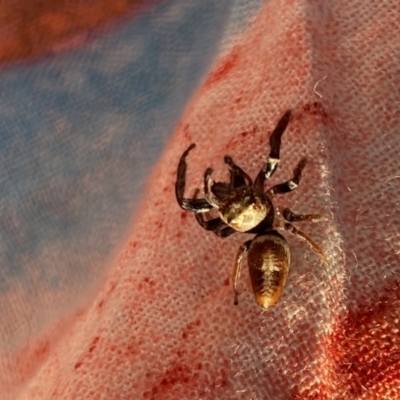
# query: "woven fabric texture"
[160,321]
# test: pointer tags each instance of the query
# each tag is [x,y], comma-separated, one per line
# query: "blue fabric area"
[79,133]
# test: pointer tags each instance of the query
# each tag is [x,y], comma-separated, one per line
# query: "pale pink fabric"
[164,326]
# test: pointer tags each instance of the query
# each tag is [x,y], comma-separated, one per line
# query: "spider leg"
[221,189]
[211,197]
[236,270]
[291,184]
[290,216]
[216,225]
[286,226]
[193,205]
[238,176]
[271,165]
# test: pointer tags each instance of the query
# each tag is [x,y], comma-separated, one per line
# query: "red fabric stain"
[94,344]
[186,372]
[313,396]
[78,365]
[100,304]
[176,373]
[148,285]
[315,109]
[190,329]
[366,346]
[111,287]
[251,132]
[36,352]
[223,69]
[184,216]
[90,350]
[186,131]
[364,352]
[237,140]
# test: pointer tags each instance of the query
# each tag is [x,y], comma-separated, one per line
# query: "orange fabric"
[31,28]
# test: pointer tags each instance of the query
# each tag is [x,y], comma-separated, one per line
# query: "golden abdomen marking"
[268,259]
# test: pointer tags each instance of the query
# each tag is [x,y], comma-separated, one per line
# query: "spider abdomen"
[268,260]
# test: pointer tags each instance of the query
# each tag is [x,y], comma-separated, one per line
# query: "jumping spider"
[244,206]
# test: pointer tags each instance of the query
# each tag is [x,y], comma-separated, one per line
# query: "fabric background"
[110,291]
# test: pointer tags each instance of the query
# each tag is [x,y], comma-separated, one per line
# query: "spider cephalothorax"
[244,206]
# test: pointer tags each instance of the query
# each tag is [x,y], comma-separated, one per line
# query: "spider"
[244,206]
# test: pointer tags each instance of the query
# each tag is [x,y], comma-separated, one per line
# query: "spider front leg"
[193,205]
[238,176]
[286,226]
[273,159]
[290,216]
[216,225]
[291,184]
[238,179]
